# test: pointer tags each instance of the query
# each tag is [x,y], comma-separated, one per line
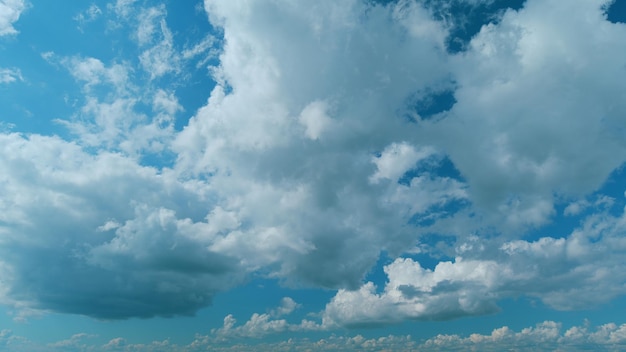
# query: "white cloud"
[397,159]
[207,49]
[122,8]
[89,15]
[10,75]
[10,11]
[287,306]
[537,108]
[260,325]
[583,270]
[153,36]
[315,119]
[112,121]
[93,72]
[149,21]
[275,131]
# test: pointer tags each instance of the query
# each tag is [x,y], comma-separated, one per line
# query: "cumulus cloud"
[582,270]
[59,254]
[266,137]
[260,325]
[541,106]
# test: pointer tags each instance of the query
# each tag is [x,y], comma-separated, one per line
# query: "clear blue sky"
[312,175]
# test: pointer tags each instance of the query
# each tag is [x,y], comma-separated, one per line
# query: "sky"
[280,175]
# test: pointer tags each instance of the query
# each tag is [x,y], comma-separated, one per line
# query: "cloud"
[544,336]
[260,325]
[60,255]
[160,58]
[122,8]
[309,160]
[10,11]
[10,75]
[582,270]
[536,106]
[112,121]
[89,15]
[276,132]
[287,306]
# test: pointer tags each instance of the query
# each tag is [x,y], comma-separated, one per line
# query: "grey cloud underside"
[309,160]
[62,256]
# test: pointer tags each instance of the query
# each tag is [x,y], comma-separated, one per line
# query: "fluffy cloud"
[81,234]
[10,11]
[310,149]
[260,325]
[581,270]
[537,107]
[309,160]
[112,122]
[276,131]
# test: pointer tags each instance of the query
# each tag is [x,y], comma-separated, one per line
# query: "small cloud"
[575,208]
[10,75]
[287,306]
[89,15]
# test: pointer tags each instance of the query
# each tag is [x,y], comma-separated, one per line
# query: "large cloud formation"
[311,158]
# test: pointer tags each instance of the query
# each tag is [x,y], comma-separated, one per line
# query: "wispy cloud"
[10,75]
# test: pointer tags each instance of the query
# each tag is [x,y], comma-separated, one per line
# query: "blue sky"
[312,175]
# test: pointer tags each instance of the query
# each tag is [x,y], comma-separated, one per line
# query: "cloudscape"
[295,175]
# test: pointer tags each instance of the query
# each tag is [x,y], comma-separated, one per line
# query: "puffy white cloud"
[112,121]
[295,122]
[260,325]
[537,107]
[287,306]
[397,159]
[582,270]
[92,72]
[451,290]
[10,11]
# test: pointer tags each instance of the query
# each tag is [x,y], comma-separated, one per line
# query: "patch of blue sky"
[433,104]
[569,215]
[48,90]
[465,18]
[616,12]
